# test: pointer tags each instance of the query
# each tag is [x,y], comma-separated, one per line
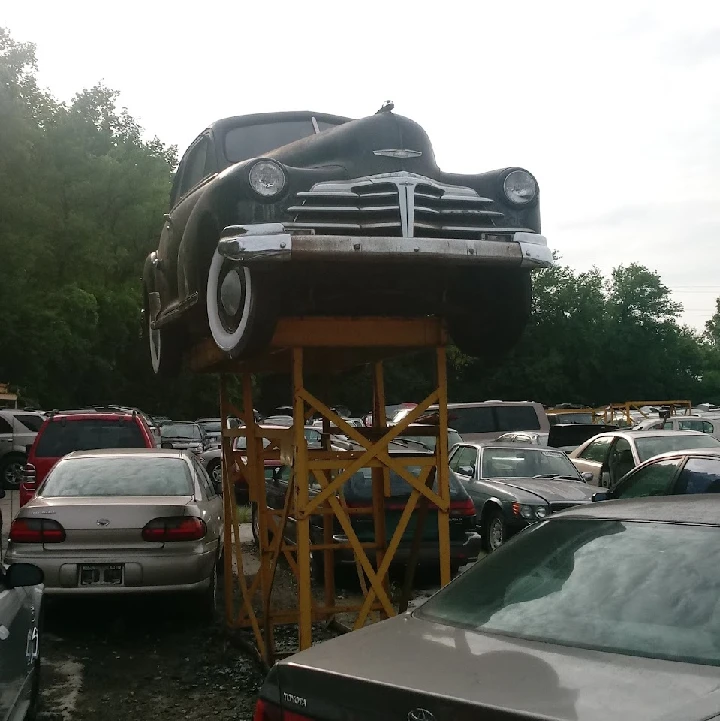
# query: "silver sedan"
[124,521]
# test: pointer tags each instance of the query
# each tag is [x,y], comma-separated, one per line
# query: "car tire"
[214,470]
[494,531]
[241,307]
[488,316]
[165,347]
[11,470]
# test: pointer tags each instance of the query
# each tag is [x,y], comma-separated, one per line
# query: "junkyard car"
[123,521]
[17,431]
[609,456]
[609,611]
[295,213]
[183,435]
[513,486]
[20,627]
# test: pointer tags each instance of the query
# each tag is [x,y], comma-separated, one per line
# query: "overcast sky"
[614,106]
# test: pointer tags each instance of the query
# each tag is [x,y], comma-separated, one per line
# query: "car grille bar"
[401,203]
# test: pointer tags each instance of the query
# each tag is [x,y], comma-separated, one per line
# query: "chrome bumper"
[272,242]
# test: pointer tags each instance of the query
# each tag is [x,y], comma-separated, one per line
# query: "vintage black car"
[513,486]
[302,213]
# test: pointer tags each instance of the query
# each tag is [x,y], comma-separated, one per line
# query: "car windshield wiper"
[557,475]
[408,441]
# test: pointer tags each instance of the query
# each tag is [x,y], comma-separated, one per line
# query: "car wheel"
[241,307]
[214,470]
[12,468]
[490,314]
[494,532]
[165,348]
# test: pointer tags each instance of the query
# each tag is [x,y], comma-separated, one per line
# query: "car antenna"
[387,107]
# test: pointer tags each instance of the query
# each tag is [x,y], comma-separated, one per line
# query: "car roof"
[650,433]
[693,509]
[696,452]
[86,415]
[125,452]
[478,404]
[509,446]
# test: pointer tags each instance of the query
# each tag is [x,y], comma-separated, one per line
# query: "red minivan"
[82,430]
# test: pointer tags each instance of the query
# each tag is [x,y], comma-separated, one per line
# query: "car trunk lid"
[98,524]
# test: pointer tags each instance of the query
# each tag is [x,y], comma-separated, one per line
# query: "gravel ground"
[150,659]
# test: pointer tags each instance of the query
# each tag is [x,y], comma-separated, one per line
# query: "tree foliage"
[82,194]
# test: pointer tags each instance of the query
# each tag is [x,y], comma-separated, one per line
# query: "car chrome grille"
[396,204]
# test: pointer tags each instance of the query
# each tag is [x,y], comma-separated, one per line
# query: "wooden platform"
[329,344]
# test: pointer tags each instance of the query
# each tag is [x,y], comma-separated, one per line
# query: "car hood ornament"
[401,153]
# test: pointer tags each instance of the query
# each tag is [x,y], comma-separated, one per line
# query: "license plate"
[101,575]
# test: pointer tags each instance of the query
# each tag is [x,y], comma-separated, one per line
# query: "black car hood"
[547,489]
[393,667]
[352,146]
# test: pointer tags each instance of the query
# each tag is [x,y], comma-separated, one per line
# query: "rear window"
[30,422]
[494,419]
[61,437]
[359,487]
[121,476]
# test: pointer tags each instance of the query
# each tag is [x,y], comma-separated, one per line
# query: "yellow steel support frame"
[251,604]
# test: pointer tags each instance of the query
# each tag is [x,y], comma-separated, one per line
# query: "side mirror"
[587,476]
[601,496]
[18,575]
[468,471]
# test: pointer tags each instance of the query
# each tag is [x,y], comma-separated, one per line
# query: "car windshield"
[118,476]
[525,463]
[654,445]
[641,589]
[252,141]
[189,431]
[211,426]
[61,437]
[30,422]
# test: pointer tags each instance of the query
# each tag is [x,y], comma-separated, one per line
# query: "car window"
[597,451]
[466,456]
[700,475]
[690,425]
[187,431]
[252,141]
[62,437]
[516,418]
[472,420]
[359,486]
[205,483]
[621,460]
[653,480]
[312,436]
[193,166]
[5,426]
[655,445]
[708,427]
[30,422]
[634,588]
[525,463]
[118,476]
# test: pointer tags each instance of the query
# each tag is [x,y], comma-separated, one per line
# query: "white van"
[486,420]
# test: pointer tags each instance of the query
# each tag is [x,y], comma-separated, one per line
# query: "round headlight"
[527,512]
[541,512]
[267,178]
[520,187]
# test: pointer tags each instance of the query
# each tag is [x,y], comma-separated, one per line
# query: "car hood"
[451,671]
[547,489]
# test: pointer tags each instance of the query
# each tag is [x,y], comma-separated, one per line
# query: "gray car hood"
[548,489]
[523,679]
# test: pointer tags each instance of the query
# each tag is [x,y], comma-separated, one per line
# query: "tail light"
[266,711]
[168,530]
[36,530]
[464,507]
[29,473]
